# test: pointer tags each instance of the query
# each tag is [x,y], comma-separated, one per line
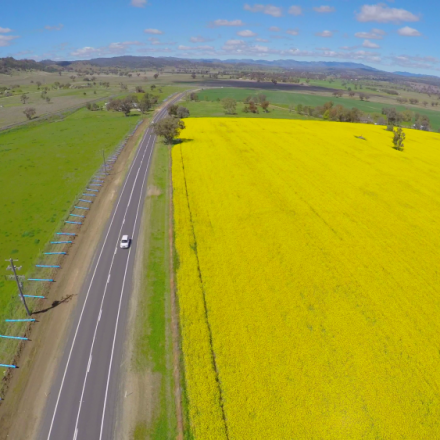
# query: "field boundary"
[175,322]
[213,359]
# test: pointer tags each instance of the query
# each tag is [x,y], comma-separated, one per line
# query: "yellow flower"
[308,280]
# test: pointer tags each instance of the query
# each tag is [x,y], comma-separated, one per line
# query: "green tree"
[399,137]
[169,128]
[30,112]
[229,105]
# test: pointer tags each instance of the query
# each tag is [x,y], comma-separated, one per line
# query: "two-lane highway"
[83,399]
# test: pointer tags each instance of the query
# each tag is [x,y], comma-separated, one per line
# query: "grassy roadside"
[152,357]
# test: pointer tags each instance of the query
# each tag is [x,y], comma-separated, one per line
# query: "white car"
[125,242]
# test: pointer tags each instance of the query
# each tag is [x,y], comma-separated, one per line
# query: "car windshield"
[124,240]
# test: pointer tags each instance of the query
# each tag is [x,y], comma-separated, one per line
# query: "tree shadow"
[54,304]
[181,141]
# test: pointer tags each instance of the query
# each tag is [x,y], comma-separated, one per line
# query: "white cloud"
[409,32]
[220,22]
[295,10]
[112,49]
[374,34]
[415,62]
[381,13]
[199,39]
[154,50]
[324,9]
[5,30]
[246,33]
[275,11]
[292,31]
[325,34]
[54,28]
[323,48]
[5,40]
[138,3]
[261,40]
[153,31]
[156,42]
[370,44]
[274,29]
[201,48]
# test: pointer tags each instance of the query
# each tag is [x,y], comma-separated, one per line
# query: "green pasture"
[285,99]
[203,109]
[43,168]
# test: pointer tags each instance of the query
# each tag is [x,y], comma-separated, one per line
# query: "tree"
[169,128]
[24,98]
[193,96]
[422,122]
[30,112]
[122,105]
[182,112]
[152,87]
[147,102]
[274,81]
[139,89]
[299,108]
[399,137]
[193,76]
[253,107]
[265,106]
[172,109]
[230,105]
[393,116]
[156,75]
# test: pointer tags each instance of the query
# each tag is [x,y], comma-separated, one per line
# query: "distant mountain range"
[139,62]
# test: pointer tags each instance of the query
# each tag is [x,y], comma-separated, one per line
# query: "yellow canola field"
[308,280]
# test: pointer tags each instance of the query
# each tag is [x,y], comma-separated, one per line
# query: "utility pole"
[105,166]
[11,261]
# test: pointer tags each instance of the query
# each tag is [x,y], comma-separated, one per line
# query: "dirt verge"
[29,386]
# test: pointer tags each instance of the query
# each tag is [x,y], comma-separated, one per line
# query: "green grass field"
[153,345]
[203,109]
[284,99]
[43,167]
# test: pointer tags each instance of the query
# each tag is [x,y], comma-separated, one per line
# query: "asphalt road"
[85,392]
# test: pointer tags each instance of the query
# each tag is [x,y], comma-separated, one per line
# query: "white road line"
[87,295]
[99,316]
[76,434]
[120,299]
[147,133]
[102,302]
[108,278]
[88,367]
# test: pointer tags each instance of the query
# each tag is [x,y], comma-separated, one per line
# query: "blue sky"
[392,35]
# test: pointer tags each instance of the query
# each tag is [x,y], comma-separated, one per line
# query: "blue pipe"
[60,242]
[8,366]
[73,223]
[55,253]
[65,233]
[40,279]
[19,320]
[80,207]
[13,337]
[35,296]
[89,195]
[95,184]
[45,265]
[76,215]
[84,200]
[95,190]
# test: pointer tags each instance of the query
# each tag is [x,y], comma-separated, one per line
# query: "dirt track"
[28,389]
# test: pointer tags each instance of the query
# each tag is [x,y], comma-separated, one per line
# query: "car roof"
[125,237]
